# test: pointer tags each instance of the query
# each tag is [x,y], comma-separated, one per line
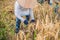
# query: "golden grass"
[46,27]
[47,24]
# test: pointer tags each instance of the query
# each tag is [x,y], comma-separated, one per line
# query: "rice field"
[46,27]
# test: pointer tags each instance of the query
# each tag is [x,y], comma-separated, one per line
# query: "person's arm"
[17,13]
[21,18]
[32,15]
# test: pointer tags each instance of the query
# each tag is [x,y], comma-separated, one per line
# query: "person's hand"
[26,22]
[32,21]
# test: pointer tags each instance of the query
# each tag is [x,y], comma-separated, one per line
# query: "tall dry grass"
[46,27]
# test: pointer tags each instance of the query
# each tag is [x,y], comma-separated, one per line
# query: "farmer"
[24,8]
[56,7]
[50,2]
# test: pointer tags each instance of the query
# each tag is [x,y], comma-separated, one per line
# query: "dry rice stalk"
[47,24]
[22,35]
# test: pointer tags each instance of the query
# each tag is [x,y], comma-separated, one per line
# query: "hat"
[27,3]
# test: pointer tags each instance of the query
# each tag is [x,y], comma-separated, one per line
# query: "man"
[24,8]
[56,7]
